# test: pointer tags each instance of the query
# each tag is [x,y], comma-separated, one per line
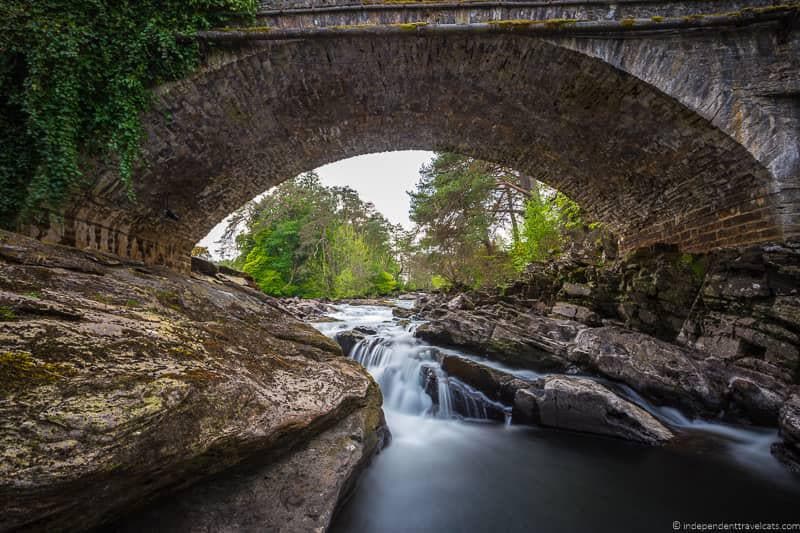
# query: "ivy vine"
[75,77]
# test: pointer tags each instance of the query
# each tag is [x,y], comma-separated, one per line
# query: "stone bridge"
[670,121]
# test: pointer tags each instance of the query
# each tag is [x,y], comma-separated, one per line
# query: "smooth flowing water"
[445,472]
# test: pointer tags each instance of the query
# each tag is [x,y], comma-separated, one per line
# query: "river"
[449,473]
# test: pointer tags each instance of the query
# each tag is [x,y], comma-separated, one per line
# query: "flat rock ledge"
[122,384]
[581,404]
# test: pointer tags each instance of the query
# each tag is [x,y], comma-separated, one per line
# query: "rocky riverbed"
[480,445]
[132,396]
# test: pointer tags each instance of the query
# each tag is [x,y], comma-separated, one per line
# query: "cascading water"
[445,473]
[408,371]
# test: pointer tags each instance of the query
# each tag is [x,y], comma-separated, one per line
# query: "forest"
[475,224]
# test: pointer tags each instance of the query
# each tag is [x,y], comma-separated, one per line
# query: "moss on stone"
[409,25]
[657,19]
[512,23]
[6,313]
[628,23]
[20,370]
[353,26]
[169,299]
[559,23]
[248,29]
[697,264]
[521,23]
[102,298]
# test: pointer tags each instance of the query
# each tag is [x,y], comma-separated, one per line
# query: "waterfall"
[408,371]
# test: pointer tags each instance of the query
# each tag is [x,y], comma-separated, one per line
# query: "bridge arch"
[634,157]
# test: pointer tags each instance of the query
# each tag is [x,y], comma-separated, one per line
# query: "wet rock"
[516,338]
[348,339]
[495,384]
[153,381]
[788,451]
[753,401]
[581,404]
[466,399]
[401,312]
[460,302]
[665,372]
[472,404]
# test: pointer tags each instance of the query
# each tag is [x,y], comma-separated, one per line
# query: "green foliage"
[74,78]
[454,207]
[440,283]
[304,239]
[541,233]
[548,216]
[697,264]
[6,313]
[467,209]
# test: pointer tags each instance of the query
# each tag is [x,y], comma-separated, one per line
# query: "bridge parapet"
[315,13]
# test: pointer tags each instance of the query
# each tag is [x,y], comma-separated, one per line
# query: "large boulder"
[298,492]
[517,338]
[665,372]
[581,404]
[754,400]
[495,384]
[349,338]
[121,383]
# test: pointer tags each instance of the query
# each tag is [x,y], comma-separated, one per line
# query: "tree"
[305,239]
[463,207]
[480,221]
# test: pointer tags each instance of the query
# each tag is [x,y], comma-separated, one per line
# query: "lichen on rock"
[109,403]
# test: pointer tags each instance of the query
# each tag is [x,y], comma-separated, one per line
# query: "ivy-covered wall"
[74,78]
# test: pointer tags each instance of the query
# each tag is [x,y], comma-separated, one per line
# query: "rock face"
[788,451]
[296,493]
[665,372]
[581,404]
[506,334]
[120,384]
[748,313]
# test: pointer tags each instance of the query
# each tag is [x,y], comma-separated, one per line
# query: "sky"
[382,179]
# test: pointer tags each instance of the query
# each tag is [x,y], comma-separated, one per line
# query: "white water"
[396,359]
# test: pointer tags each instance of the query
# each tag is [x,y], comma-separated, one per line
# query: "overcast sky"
[382,179]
